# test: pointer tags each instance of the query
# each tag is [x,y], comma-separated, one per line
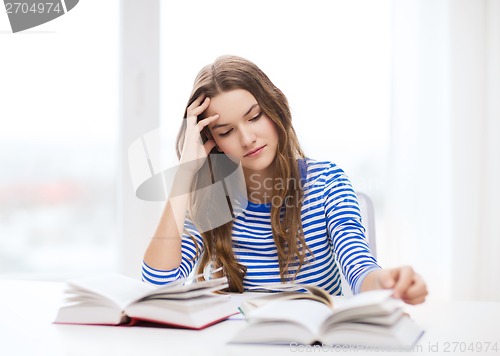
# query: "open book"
[369,319]
[117,299]
[289,291]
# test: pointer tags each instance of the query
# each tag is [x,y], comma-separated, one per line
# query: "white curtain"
[444,195]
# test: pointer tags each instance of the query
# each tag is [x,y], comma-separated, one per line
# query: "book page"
[117,288]
[310,314]
[403,334]
[189,294]
[364,305]
[306,290]
[178,288]
[366,298]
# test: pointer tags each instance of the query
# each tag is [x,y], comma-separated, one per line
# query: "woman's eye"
[226,133]
[256,117]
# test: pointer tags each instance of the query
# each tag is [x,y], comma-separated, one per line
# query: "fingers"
[191,120]
[198,106]
[196,128]
[386,280]
[417,292]
[207,121]
[197,102]
[404,279]
[406,284]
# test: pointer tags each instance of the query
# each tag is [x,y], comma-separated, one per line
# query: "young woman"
[302,220]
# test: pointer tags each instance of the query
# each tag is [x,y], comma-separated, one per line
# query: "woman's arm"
[345,228]
[164,250]
[359,266]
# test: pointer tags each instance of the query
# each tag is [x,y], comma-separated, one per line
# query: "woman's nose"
[247,137]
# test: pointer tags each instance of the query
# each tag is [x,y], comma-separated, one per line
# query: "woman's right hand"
[194,151]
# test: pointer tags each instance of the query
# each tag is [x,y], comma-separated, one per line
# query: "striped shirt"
[331,222]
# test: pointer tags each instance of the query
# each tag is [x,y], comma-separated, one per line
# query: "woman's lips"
[255,153]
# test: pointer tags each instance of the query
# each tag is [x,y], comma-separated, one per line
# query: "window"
[58,138]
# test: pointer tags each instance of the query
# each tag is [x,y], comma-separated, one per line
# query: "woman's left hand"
[407,285]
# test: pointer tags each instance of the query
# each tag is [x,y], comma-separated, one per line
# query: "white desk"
[27,309]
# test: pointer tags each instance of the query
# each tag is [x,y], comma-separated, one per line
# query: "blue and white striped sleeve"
[345,228]
[188,259]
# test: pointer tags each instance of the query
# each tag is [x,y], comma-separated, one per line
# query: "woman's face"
[243,131]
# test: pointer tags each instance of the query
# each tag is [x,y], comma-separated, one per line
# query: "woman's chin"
[261,164]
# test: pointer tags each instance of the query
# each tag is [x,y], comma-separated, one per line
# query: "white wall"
[443,207]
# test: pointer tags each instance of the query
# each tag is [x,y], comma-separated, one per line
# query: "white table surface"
[27,309]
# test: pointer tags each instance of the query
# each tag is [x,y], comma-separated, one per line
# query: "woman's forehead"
[231,105]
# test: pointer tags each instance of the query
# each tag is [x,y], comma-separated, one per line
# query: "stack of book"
[369,319]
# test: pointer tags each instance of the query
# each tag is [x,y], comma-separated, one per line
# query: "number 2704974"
[39,8]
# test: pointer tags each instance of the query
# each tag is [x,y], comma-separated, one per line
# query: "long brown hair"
[225,74]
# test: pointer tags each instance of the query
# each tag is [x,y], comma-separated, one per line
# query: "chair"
[368,220]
